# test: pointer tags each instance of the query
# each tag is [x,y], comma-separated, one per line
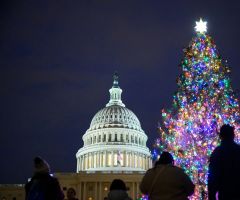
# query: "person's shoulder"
[176,168]
[151,170]
[216,151]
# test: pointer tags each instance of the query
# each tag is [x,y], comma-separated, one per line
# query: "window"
[109,138]
[121,140]
[94,140]
[115,138]
[132,139]
[104,138]
[99,138]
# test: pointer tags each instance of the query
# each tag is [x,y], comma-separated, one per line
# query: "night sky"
[57,61]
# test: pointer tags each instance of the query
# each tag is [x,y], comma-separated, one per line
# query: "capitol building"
[115,140]
[114,146]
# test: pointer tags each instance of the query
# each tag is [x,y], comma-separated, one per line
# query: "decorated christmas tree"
[204,101]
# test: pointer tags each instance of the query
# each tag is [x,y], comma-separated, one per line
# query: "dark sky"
[57,59]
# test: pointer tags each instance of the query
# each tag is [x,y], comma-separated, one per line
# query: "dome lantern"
[115,93]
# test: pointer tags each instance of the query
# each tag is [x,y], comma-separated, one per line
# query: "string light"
[203,103]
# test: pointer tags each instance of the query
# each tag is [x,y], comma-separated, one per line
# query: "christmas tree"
[204,101]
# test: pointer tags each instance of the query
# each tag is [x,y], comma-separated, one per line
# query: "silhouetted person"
[224,175]
[166,181]
[118,191]
[42,185]
[71,193]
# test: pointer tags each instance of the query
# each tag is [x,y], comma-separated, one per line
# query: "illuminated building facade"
[114,148]
[115,140]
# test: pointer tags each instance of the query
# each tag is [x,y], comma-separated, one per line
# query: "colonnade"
[108,158]
[100,189]
[133,138]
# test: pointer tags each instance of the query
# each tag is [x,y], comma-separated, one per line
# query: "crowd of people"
[164,181]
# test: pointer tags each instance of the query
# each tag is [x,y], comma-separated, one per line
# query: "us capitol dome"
[115,140]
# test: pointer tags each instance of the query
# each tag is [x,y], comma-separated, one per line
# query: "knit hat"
[41,165]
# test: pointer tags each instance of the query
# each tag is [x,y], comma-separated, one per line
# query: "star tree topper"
[201,26]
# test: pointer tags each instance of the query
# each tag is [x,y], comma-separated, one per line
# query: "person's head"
[226,133]
[165,158]
[118,184]
[41,166]
[71,193]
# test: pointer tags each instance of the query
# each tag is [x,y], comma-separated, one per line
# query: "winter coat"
[118,195]
[43,186]
[224,173]
[171,184]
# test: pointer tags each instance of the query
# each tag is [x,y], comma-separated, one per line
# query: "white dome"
[115,140]
[115,116]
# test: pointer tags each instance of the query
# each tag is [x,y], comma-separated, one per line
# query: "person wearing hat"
[224,165]
[118,191]
[166,181]
[42,185]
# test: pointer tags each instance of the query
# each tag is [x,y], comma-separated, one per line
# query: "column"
[132,160]
[105,164]
[84,190]
[146,162]
[137,189]
[129,159]
[125,158]
[77,165]
[86,161]
[100,159]
[100,191]
[94,159]
[112,163]
[82,163]
[96,191]
[79,190]
[133,191]
[138,160]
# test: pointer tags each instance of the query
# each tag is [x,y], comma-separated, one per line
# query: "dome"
[115,140]
[115,116]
